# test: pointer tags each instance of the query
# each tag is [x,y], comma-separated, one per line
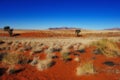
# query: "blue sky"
[42,14]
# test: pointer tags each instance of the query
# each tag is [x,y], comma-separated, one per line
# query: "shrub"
[107,48]
[86,68]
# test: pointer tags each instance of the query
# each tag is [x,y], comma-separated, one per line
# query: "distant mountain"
[113,29]
[59,28]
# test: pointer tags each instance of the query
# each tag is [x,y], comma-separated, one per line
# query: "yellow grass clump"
[107,47]
[86,68]
[10,59]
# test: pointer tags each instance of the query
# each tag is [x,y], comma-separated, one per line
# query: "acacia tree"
[10,31]
[77,32]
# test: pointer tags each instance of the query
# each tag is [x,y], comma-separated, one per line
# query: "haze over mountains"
[59,28]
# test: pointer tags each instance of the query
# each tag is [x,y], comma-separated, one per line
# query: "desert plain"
[60,55]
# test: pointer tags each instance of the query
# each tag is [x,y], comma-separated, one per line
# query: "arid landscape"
[60,55]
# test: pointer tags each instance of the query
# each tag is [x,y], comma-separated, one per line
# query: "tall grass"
[107,47]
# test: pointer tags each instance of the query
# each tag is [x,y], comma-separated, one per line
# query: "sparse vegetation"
[107,48]
[48,51]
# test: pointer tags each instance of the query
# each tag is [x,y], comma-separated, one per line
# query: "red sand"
[66,71]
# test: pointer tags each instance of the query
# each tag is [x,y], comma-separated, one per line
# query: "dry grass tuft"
[44,64]
[65,54]
[107,48]
[10,59]
[86,68]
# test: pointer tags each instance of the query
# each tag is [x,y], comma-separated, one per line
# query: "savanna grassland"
[60,55]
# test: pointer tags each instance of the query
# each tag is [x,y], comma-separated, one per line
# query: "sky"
[44,14]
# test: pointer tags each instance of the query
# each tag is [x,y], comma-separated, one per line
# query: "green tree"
[10,31]
[77,32]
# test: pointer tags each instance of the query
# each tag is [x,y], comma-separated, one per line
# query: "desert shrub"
[44,64]
[86,68]
[107,48]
